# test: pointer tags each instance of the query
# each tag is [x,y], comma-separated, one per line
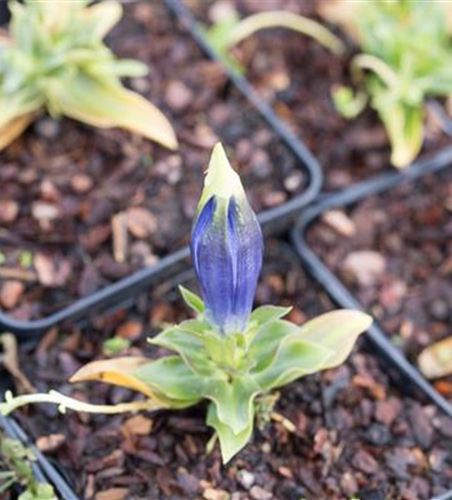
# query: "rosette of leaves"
[229,355]
[53,58]
[405,57]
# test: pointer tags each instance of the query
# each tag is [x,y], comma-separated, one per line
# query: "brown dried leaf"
[116,372]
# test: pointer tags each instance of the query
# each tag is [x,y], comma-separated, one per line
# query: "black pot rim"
[336,289]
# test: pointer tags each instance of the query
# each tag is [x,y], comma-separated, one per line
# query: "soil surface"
[356,435]
[396,258]
[69,191]
[296,74]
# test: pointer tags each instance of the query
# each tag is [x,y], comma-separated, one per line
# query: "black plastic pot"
[274,221]
[43,470]
[279,255]
[4,12]
[336,288]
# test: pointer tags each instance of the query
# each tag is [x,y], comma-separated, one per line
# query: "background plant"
[405,57]
[54,58]
[229,31]
[228,355]
[15,469]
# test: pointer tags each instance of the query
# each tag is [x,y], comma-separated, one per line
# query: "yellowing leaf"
[436,360]
[101,17]
[88,100]
[337,331]
[14,129]
[116,372]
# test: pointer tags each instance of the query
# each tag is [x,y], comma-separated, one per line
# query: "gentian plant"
[405,57]
[230,30]
[229,355]
[54,58]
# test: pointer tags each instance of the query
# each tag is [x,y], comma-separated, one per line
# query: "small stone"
[259,493]
[178,96]
[11,293]
[81,183]
[212,494]
[340,222]
[366,266]
[43,211]
[245,478]
[9,210]
[365,462]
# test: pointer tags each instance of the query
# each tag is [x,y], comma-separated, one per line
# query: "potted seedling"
[16,474]
[230,356]
[400,58]
[54,58]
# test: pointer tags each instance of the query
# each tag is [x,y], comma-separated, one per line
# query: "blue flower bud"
[226,247]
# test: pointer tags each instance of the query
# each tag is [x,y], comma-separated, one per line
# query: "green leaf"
[172,378]
[347,104]
[190,344]
[218,35]
[100,18]
[295,358]
[405,128]
[337,331]
[233,401]
[268,340]
[230,443]
[265,314]
[192,300]
[42,491]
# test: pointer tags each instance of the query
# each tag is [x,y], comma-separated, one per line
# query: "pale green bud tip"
[221,181]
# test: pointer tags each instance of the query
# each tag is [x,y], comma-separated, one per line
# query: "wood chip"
[340,222]
[130,330]
[11,363]
[120,237]
[141,222]
[9,210]
[50,443]
[18,274]
[45,268]
[11,293]
[138,425]
[113,494]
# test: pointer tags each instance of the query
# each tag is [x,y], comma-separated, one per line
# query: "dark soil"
[398,261]
[63,184]
[296,74]
[356,434]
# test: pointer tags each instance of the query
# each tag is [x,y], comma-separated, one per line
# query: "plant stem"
[379,67]
[64,402]
[289,20]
